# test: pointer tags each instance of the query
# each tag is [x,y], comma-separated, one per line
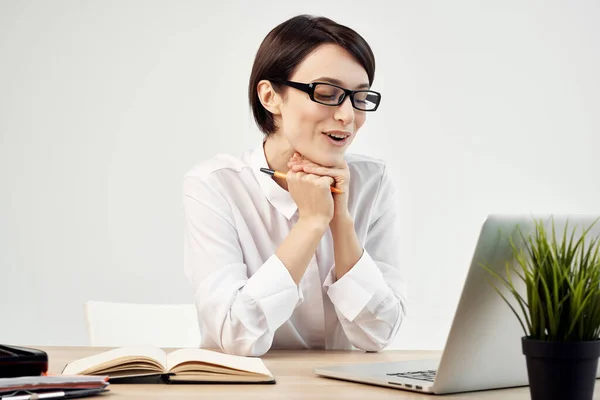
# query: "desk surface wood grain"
[295,379]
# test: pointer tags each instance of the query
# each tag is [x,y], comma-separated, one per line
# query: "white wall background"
[104,105]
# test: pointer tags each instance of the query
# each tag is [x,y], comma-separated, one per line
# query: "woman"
[286,263]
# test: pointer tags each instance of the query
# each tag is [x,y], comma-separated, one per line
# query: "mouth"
[338,137]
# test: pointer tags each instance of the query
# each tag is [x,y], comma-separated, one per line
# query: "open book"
[183,365]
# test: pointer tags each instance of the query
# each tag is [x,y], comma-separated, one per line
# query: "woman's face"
[308,125]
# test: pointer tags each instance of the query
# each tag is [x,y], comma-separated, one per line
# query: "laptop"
[483,348]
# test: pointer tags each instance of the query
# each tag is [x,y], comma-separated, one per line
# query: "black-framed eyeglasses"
[334,95]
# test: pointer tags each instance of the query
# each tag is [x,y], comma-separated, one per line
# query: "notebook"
[183,365]
[72,386]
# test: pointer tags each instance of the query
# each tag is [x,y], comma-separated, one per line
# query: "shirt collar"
[279,198]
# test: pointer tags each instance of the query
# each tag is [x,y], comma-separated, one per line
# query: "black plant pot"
[561,370]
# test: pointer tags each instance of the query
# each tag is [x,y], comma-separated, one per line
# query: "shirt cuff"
[356,288]
[273,288]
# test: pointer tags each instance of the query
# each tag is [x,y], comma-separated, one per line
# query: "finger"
[304,161]
[295,176]
[319,181]
[310,177]
[309,163]
[296,158]
[325,181]
[315,177]
[300,158]
[324,171]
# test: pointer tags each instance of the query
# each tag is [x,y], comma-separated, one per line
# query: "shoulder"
[217,165]
[370,180]
[364,169]
[216,173]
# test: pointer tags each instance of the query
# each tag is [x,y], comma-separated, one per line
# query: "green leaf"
[562,282]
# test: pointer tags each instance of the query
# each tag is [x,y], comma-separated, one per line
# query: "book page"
[248,364]
[113,358]
[211,377]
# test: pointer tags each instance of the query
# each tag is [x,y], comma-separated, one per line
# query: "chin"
[329,160]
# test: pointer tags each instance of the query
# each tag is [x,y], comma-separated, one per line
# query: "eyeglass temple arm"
[300,86]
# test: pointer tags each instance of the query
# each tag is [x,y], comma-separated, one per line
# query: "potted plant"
[560,308]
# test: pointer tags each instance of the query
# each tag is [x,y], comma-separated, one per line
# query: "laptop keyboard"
[427,375]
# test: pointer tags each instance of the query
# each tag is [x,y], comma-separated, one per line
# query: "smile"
[337,136]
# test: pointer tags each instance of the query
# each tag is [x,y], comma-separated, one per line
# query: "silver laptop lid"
[483,349]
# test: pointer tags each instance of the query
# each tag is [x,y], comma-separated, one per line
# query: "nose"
[345,112]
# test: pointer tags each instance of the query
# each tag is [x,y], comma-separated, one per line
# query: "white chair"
[130,324]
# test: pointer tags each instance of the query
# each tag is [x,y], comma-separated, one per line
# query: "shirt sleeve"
[239,313]
[370,299]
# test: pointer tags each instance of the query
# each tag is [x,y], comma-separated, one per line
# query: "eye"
[365,98]
[328,94]
[325,96]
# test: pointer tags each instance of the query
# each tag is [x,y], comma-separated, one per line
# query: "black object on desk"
[71,394]
[22,361]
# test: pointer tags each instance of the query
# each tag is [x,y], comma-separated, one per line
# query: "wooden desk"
[295,379]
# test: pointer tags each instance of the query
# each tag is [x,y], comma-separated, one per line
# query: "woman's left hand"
[340,174]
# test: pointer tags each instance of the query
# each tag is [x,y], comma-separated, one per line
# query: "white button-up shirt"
[247,302]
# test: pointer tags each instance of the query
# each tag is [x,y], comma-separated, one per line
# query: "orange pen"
[281,175]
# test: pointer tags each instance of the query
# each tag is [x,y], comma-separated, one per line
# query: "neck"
[278,152]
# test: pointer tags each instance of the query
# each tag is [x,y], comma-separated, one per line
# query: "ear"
[270,99]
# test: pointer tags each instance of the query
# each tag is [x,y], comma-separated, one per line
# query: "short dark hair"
[286,46]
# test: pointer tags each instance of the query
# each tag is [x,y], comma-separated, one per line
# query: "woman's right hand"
[312,194]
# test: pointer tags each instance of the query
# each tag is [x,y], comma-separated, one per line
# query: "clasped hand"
[309,184]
